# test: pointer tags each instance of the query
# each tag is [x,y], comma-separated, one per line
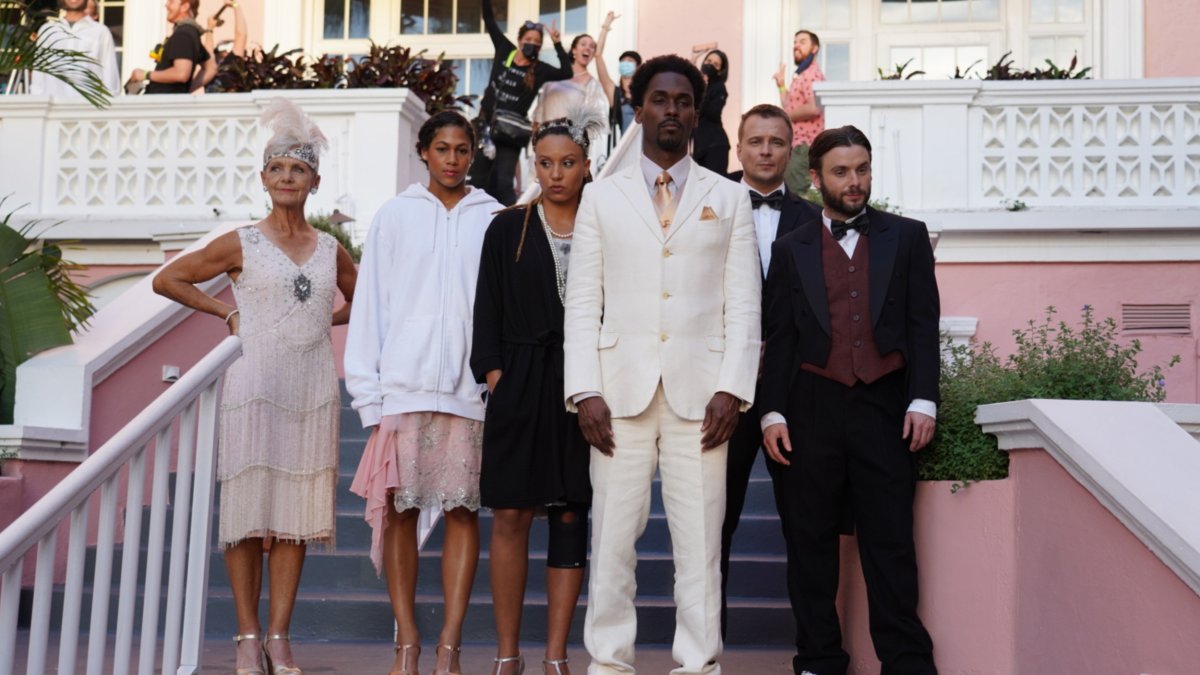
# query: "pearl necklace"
[560,274]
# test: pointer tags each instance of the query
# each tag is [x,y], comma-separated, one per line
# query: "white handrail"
[192,400]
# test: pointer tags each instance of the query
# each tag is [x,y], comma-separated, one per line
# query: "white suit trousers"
[693,486]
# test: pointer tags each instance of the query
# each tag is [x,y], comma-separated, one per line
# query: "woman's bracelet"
[231,315]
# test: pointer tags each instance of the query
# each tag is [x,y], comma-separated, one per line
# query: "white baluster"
[152,593]
[131,549]
[39,623]
[196,600]
[10,601]
[179,530]
[102,578]
[68,642]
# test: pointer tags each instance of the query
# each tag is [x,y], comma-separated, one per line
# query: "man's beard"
[835,203]
[670,144]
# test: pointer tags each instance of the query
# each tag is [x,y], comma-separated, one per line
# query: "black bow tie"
[773,200]
[840,227]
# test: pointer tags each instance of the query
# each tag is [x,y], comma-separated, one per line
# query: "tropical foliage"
[24,48]
[433,80]
[39,303]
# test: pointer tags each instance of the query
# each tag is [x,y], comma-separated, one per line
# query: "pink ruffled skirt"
[429,461]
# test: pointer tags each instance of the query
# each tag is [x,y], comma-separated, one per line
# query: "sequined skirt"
[428,461]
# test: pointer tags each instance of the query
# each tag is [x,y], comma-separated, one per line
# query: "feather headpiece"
[583,123]
[295,134]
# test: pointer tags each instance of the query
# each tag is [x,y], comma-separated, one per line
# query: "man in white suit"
[661,344]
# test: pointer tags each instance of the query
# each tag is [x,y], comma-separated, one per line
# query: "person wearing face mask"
[619,97]
[710,143]
[516,78]
[580,94]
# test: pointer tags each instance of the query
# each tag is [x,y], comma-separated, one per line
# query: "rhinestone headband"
[305,153]
[578,132]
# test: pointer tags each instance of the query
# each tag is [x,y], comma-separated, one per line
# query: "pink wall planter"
[1031,575]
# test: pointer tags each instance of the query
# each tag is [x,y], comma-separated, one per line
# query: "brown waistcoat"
[853,356]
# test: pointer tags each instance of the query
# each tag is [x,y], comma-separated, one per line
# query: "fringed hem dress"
[277,458]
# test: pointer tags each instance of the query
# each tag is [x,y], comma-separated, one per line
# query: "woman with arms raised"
[277,458]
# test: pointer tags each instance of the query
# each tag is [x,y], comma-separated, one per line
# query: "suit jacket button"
[666,295]
[664,337]
[852,269]
[856,317]
[858,343]
[854,294]
[666,253]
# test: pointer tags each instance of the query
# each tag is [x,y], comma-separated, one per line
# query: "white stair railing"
[186,415]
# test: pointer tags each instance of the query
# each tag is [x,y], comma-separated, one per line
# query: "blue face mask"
[626,68]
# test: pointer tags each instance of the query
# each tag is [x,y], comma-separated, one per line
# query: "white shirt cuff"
[587,394]
[771,418]
[920,405]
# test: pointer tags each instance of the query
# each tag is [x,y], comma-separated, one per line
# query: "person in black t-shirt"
[183,53]
[517,77]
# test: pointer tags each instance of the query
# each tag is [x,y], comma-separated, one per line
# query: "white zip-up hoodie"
[409,342]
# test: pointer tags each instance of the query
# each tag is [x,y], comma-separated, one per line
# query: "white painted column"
[283,23]
[145,26]
[763,49]
[1120,49]
[22,130]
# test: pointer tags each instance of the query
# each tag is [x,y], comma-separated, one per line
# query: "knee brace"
[567,546]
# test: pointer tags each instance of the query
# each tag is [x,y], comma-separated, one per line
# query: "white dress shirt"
[87,36]
[766,226]
[848,244]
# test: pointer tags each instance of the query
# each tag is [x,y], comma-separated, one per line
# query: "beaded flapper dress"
[277,459]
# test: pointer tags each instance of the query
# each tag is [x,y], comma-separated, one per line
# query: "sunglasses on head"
[538,26]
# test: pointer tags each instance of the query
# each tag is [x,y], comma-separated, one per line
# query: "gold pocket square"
[708,214]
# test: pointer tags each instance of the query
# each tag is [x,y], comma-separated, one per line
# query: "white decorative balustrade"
[180,426]
[970,144]
[198,157]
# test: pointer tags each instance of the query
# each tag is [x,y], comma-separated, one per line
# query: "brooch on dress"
[301,287]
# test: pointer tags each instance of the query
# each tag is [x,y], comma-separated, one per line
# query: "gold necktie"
[662,199]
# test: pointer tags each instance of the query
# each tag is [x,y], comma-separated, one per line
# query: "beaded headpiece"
[582,124]
[296,135]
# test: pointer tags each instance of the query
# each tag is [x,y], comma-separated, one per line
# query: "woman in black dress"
[516,78]
[710,143]
[534,456]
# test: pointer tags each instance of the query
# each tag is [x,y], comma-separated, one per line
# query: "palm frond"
[24,49]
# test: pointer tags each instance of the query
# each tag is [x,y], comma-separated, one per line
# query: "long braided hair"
[580,126]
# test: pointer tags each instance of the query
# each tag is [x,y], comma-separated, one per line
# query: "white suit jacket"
[683,307]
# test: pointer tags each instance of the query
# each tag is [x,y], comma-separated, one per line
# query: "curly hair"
[668,63]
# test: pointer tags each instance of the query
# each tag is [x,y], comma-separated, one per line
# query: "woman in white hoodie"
[407,369]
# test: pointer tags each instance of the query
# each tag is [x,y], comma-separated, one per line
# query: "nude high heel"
[278,670]
[255,670]
[454,653]
[403,651]
[500,662]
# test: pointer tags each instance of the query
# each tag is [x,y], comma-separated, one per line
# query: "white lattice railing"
[183,417]
[967,144]
[186,157]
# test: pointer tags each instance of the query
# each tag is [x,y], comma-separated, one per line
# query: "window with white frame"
[939,11]
[830,20]
[112,15]
[453,28]
[1058,32]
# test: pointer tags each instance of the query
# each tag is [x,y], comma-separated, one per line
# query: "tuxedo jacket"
[795,212]
[681,307]
[904,305]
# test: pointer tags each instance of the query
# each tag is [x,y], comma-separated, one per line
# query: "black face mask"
[530,51]
[709,70]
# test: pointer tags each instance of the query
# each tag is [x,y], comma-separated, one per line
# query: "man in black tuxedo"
[849,393]
[764,149]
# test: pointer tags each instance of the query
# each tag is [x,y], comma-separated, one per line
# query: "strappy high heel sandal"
[556,664]
[454,654]
[254,670]
[278,670]
[501,662]
[403,651]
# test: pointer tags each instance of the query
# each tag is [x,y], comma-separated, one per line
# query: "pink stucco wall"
[1033,575]
[700,22]
[1171,46]
[1006,296]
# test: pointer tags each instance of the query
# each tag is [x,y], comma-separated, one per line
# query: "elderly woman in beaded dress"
[277,461]
[534,456]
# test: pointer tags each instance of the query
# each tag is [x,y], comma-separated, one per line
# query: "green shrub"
[1052,360]
[321,222]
